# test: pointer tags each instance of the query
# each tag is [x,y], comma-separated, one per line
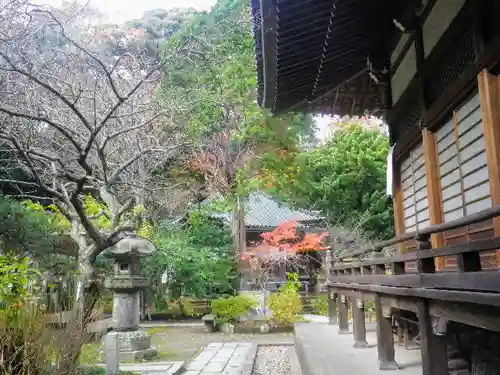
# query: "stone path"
[220,359]
[154,368]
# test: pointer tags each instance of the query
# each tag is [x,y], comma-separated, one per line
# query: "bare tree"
[79,120]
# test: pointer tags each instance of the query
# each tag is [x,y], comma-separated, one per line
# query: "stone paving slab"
[220,359]
[154,368]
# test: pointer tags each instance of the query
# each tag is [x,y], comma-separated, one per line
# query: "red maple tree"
[286,241]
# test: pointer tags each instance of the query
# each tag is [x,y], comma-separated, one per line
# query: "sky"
[123,10]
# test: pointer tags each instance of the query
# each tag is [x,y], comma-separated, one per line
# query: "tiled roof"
[262,211]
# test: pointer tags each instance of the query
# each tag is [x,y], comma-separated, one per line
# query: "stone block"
[215,367]
[133,346]
[138,355]
[230,345]
[214,345]
[126,311]
[196,365]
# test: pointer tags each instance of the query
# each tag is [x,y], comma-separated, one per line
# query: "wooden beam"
[489,93]
[433,190]
[400,303]
[481,298]
[433,347]
[466,281]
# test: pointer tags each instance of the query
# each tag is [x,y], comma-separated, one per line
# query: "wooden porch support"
[332,307]
[433,348]
[343,314]
[489,94]
[359,325]
[385,338]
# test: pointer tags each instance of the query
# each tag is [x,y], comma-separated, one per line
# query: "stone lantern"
[126,283]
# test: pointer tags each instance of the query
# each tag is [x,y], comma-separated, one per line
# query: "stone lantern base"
[134,346]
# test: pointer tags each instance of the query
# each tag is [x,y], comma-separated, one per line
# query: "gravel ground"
[272,360]
[184,343]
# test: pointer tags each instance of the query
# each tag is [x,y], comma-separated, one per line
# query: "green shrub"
[320,305]
[286,304]
[228,310]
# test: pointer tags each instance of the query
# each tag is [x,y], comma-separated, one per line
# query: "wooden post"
[433,190]
[489,94]
[433,348]
[397,200]
[332,307]
[358,316]
[343,314]
[385,338]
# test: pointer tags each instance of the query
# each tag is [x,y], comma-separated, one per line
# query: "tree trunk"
[86,297]
[238,230]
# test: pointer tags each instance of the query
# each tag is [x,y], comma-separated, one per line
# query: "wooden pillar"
[489,93]
[359,323]
[433,190]
[397,200]
[332,307]
[385,338]
[433,348]
[343,314]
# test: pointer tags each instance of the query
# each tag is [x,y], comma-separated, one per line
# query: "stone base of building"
[129,346]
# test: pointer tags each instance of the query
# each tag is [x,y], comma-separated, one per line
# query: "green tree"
[197,258]
[24,231]
[344,178]
[212,90]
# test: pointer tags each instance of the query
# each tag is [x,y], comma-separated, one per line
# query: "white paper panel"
[424,224]
[453,215]
[445,130]
[446,142]
[447,154]
[470,121]
[475,163]
[478,206]
[410,221]
[449,166]
[453,203]
[471,104]
[476,178]
[409,211]
[451,191]
[473,134]
[422,216]
[450,178]
[472,149]
[477,192]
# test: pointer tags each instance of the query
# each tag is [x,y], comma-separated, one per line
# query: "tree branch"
[114,177]
[49,88]
[45,120]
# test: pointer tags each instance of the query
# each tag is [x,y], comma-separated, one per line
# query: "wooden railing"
[468,283]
